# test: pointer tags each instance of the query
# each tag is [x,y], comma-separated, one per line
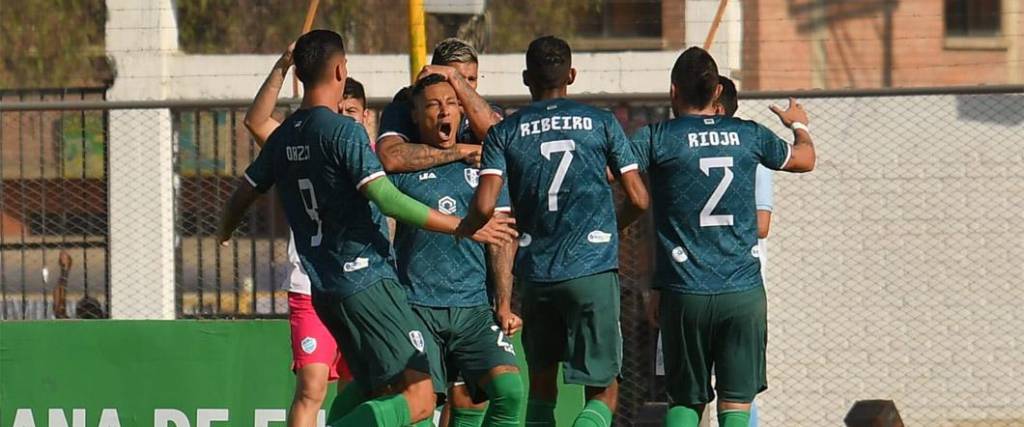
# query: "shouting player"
[554,153]
[399,145]
[324,172]
[316,359]
[447,279]
[708,296]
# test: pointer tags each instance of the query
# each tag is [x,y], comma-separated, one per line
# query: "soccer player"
[325,173]
[316,359]
[399,145]
[554,153]
[711,307]
[447,279]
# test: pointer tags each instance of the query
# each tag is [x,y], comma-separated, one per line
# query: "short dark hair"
[422,85]
[354,89]
[695,76]
[548,61]
[312,52]
[729,96]
[452,50]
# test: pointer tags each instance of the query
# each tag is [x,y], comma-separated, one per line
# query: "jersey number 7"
[566,146]
[706,218]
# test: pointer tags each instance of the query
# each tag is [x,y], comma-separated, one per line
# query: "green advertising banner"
[156,373]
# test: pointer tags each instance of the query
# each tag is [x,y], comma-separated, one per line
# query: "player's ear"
[526,78]
[672,91]
[572,76]
[717,95]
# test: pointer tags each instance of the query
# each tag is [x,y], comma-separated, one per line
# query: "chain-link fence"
[892,269]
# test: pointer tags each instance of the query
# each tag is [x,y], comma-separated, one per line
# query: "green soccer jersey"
[553,155]
[702,171]
[438,269]
[318,160]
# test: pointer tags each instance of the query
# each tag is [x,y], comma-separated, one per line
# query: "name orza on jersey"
[537,127]
[713,139]
[298,153]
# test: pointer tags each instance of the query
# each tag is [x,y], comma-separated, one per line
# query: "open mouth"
[444,130]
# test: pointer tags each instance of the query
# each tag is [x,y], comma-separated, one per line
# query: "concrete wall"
[895,267]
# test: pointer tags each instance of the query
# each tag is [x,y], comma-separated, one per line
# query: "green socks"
[390,411]
[682,416]
[595,414]
[349,397]
[540,413]
[466,417]
[506,395]
[734,418]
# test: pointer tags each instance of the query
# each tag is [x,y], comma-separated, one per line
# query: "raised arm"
[479,113]
[258,118]
[802,157]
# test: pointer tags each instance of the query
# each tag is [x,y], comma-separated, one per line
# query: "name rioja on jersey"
[713,139]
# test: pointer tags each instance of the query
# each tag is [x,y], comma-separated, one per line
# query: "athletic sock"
[734,418]
[506,395]
[350,396]
[390,411]
[682,416]
[466,417]
[595,414]
[540,413]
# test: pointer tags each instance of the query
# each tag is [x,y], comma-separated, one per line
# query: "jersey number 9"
[306,186]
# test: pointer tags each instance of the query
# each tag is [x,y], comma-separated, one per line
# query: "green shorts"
[575,322]
[378,333]
[726,332]
[466,342]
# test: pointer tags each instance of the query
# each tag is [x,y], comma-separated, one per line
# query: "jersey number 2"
[706,218]
[306,186]
[566,146]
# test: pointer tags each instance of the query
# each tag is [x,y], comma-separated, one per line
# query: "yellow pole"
[417,38]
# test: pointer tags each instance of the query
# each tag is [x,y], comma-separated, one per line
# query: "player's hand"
[223,238]
[447,72]
[497,231]
[65,262]
[285,60]
[795,113]
[653,307]
[509,322]
[471,154]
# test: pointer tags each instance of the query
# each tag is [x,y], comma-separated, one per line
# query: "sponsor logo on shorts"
[598,236]
[416,338]
[472,176]
[308,345]
[679,254]
[447,205]
[525,240]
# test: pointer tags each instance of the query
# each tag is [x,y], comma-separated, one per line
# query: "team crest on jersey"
[416,338]
[472,176]
[447,205]
[755,251]
[308,345]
